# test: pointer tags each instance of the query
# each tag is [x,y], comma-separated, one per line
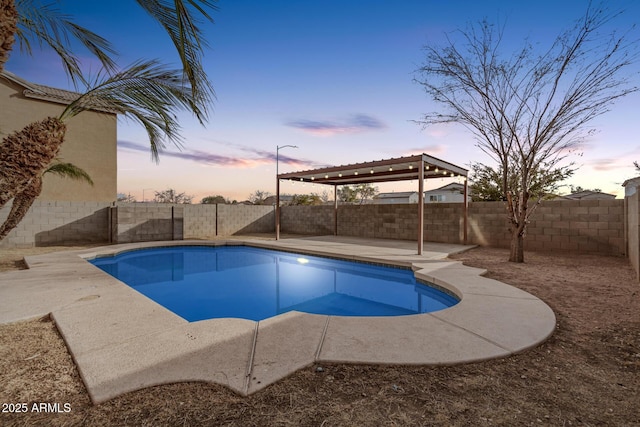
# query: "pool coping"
[122,341]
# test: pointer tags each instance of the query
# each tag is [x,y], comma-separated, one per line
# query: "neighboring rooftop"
[271,200]
[395,194]
[588,195]
[453,187]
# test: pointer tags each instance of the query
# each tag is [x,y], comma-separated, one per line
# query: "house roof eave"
[50,94]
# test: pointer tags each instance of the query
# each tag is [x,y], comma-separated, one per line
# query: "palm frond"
[69,170]
[47,25]
[180,20]
[146,92]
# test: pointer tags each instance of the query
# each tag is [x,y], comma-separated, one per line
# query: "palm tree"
[147,91]
[68,170]
[23,201]
[8,29]
[30,22]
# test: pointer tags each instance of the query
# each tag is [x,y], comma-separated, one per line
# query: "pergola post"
[421,207]
[277,207]
[335,210]
[465,217]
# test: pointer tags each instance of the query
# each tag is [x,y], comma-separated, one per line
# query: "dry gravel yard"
[586,374]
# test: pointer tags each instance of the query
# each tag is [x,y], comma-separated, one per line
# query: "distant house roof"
[635,181]
[271,200]
[454,186]
[589,195]
[48,93]
[395,195]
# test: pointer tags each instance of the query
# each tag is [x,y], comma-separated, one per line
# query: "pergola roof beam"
[397,169]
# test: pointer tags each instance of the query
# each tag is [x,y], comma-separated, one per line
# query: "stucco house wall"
[633,236]
[450,193]
[90,141]
[632,222]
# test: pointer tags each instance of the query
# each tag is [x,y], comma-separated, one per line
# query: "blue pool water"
[203,282]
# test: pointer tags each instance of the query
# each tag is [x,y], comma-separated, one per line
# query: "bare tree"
[312,199]
[528,111]
[486,183]
[258,197]
[126,198]
[172,196]
[366,192]
[579,189]
[213,200]
[358,193]
[347,194]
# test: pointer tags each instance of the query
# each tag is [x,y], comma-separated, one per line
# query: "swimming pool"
[206,282]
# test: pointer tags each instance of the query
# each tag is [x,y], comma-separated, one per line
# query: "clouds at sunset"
[433,150]
[614,164]
[258,157]
[356,123]
[342,96]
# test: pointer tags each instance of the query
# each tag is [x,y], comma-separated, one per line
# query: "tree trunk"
[21,204]
[517,246]
[24,155]
[8,29]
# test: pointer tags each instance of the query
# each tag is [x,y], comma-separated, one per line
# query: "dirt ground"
[586,374]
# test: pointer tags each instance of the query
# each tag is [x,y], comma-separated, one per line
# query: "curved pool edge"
[141,344]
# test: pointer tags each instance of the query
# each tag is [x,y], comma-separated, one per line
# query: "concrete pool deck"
[122,341]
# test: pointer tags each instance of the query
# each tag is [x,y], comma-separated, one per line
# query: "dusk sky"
[335,79]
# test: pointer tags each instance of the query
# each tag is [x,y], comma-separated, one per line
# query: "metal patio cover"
[396,169]
[417,167]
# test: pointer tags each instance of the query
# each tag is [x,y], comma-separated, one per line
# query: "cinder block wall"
[578,225]
[488,224]
[138,222]
[378,221]
[199,221]
[306,219]
[633,230]
[142,222]
[53,223]
[239,219]
[442,222]
[586,226]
